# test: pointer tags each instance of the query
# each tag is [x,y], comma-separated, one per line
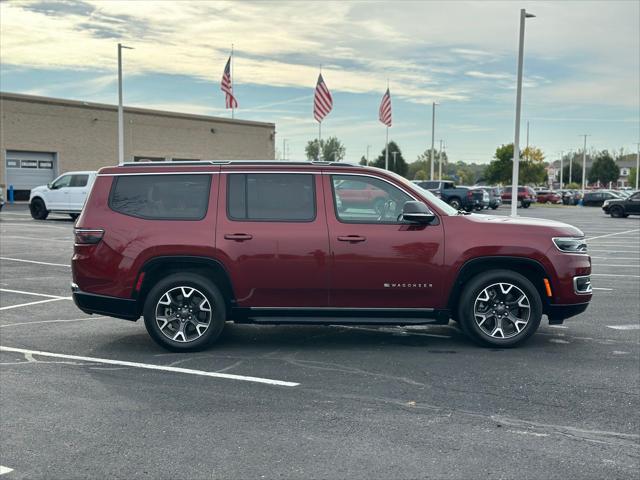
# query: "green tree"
[531,166]
[398,166]
[576,173]
[603,169]
[363,161]
[332,150]
[420,175]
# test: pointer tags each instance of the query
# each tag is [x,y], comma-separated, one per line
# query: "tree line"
[532,166]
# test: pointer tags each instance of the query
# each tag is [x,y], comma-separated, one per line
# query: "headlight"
[606,202]
[570,244]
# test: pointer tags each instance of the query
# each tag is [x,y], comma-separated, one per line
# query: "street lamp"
[516,143]
[561,169]
[440,162]
[433,132]
[584,163]
[637,164]
[120,110]
[394,159]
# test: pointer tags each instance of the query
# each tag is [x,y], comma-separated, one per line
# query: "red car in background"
[526,196]
[547,196]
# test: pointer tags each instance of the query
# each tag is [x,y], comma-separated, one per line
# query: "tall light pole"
[120,110]
[584,163]
[516,142]
[561,169]
[572,157]
[637,164]
[440,162]
[394,159]
[284,149]
[433,133]
[368,154]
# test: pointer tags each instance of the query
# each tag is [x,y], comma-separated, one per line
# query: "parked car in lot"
[66,194]
[623,207]
[570,197]
[193,245]
[460,198]
[597,198]
[548,196]
[495,196]
[526,196]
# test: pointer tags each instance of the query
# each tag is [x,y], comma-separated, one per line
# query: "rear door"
[378,261]
[632,205]
[273,232]
[78,190]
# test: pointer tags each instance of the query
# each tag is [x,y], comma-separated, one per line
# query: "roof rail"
[156,163]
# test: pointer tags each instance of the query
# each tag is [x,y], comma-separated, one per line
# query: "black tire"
[455,203]
[494,207]
[38,209]
[617,212]
[203,288]
[524,204]
[473,292]
[74,216]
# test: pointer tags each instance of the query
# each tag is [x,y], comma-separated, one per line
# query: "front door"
[633,204]
[273,232]
[377,260]
[58,194]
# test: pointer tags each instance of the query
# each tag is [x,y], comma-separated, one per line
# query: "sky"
[581,67]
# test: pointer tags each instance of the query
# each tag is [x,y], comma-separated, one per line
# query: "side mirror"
[417,212]
[50,186]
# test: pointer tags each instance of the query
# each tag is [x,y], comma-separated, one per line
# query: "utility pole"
[368,154]
[394,158]
[561,169]
[433,133]
[584,163]
[516,143]
[571,167]
[120,109]
[284,149]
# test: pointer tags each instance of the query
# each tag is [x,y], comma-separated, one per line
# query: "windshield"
[412,187]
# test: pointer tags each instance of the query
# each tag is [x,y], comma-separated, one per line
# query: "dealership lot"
[93,396]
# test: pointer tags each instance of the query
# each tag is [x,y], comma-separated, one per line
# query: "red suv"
[526,196]
[189,246]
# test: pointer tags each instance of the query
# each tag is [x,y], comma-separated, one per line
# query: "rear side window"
[79,180]
[278,197]
[161,197]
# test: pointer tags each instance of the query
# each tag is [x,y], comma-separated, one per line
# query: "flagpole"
[231,79]
[386,152]
[319,140]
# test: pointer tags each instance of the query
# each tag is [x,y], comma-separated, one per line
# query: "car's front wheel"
[455,203]
[184,312]
[500,308]
[617,212]
[38,209]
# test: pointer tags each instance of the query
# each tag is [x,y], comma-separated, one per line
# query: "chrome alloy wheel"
[183,314]
[502,310]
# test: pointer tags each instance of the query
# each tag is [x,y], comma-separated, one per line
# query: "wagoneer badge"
[408,285]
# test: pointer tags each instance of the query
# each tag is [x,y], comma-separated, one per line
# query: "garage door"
[26,170]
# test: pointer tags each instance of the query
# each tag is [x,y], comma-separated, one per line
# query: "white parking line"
[602,288]
[34,294]
[51,321]
[36,239]
[617,258]
[612,234]
[603,265]
[39,263]
[9,307]
[613,275]
[4,470]
[625,327]
[149,366]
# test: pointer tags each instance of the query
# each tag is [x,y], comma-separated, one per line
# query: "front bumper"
[558,313]
[91,303]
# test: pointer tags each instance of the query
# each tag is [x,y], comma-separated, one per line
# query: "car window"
[380,203]
[61,182]
[277,197]
[635,197]
[431,185]
[79,180]
[161,197]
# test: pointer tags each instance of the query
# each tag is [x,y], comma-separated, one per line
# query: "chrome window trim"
[344,174]
[154,173]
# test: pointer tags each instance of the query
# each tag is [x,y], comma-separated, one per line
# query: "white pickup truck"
[66,194]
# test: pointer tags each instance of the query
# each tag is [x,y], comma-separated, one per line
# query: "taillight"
[87,236]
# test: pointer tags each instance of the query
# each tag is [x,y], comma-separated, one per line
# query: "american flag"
[227,87]
[322,101]
[384,113]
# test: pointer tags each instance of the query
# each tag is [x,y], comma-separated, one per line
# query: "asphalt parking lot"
[356,402]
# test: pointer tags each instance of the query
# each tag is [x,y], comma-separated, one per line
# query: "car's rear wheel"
[500,308]
[617,212]
[524,204]
[184,312]
[38,209]
[455,203]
